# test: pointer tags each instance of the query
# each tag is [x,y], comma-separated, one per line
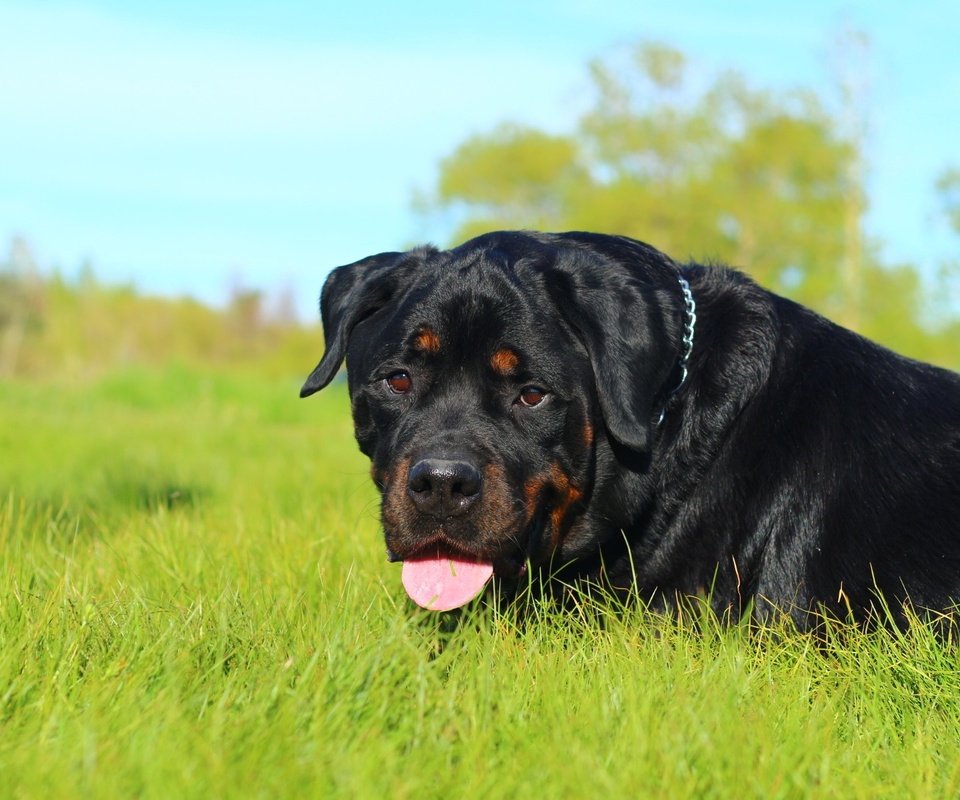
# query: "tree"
[948,189]
[850,56]
[716,171]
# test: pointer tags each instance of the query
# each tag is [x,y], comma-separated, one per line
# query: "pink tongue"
[441,584]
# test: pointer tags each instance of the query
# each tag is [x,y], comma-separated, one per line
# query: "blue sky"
[184,145]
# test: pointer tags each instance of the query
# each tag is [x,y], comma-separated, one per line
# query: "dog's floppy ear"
[622,299]
[350,294]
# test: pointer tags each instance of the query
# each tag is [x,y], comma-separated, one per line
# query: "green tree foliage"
[713,170]
[948,288]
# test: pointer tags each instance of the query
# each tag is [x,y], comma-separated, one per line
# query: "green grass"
[194,602]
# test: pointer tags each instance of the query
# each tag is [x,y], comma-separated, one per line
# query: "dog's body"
[519,399]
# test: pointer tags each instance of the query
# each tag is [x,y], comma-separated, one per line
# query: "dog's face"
[476,408]
[491,383]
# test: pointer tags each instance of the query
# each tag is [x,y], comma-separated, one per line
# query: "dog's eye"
[399,382]
[531,396]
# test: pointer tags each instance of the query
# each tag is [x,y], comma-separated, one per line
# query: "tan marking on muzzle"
[566,495]
[395,510]
[587,433]
[496,506]
[563,495]
[532,489]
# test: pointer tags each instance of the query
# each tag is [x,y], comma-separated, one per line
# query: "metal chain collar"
[690,323]
[689,326]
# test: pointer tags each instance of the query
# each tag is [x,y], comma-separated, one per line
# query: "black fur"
[799,467]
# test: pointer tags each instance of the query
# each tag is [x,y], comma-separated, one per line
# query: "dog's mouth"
[443,583]
[443,575]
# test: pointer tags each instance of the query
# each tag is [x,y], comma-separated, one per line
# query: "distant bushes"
[80,329]
[50,326]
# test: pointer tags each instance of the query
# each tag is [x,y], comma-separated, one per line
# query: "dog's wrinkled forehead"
[457,305]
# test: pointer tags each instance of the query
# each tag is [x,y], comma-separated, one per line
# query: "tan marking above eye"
[427,340]
[504,361]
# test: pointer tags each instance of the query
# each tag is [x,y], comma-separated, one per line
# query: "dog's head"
[492,384]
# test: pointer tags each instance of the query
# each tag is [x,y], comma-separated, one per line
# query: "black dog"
[581,404]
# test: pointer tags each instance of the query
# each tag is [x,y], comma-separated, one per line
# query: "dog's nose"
[444,488]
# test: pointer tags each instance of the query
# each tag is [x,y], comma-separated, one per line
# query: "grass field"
[194,602]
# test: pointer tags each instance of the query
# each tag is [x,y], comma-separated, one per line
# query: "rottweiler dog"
[581,406]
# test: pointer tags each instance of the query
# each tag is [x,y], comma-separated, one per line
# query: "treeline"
[54,327]
[711,168]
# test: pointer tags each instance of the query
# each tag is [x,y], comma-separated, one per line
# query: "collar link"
[689,327]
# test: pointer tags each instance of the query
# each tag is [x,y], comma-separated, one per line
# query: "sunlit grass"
[195,602]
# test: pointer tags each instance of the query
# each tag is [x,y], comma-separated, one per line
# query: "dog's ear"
[622,299]
[350,294]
